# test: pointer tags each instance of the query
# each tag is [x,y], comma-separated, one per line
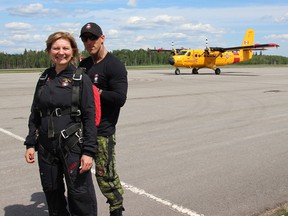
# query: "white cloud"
[137,23]
[167,18]
[151,22]
[6,43]
[112,33]
[140,38]
[73,28]
[132,3]
[18,26]
[276,37]
[177,35]
[28,37]
[76,1]
[136,27]
[199,27]
[135,19]
[282,19]
[29,10]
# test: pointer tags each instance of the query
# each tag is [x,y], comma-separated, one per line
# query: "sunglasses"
[90,37]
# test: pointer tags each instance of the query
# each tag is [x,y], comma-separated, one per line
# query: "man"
[110,77]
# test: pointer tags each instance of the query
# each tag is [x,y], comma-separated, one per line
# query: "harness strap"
[77,78]
[70,130]
[110,167]
[55,113]
[74,110]
[51,131]
[71,141]
[47,155]
[42,79]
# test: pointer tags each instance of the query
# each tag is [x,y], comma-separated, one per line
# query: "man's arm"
[118,85]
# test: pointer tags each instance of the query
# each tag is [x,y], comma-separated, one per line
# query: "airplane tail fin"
[248,41]
[249,38]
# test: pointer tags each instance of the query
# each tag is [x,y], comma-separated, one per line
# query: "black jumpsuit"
[55,159]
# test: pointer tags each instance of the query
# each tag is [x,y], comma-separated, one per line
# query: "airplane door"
[187,59]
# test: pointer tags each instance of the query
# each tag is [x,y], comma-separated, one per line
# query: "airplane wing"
[253,47]
[172,51]
[160,50]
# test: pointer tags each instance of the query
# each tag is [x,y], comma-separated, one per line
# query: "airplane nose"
[171,61]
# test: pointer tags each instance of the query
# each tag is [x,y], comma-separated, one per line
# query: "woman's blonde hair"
[67,36]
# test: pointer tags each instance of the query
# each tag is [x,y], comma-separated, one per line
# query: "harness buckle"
[43,76]
[58,112]
[78,134]
[64,134]
[78,78]
[78,112]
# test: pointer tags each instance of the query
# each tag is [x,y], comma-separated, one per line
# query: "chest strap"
[55,113]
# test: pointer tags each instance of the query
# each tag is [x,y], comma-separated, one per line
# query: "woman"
[56,131]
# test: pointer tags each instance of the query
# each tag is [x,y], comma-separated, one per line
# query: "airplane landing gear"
[194,71]
[217,71]
[177,71]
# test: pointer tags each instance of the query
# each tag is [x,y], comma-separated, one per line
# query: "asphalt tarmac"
[206,144]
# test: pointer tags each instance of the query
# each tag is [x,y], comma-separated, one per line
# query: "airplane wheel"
[177,71]
[217,71]
[194,71]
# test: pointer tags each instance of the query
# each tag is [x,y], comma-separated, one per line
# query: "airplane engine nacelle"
[171,61]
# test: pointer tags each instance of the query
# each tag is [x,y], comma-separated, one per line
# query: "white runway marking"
[175,207]
[12,135]
[131,188]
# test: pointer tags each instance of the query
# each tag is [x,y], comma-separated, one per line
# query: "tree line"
[141,57]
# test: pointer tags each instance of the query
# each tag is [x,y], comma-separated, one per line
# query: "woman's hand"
[86,163]
[29,155]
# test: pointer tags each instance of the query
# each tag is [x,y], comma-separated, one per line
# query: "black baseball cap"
[92,28]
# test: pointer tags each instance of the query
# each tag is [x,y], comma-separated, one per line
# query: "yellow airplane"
[212,57]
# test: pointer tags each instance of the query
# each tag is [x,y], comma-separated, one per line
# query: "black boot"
[117,212]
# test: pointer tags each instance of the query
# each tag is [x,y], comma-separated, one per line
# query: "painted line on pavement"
[167,203]
[12,135]
[131,188]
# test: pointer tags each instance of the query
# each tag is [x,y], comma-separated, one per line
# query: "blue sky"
[135,24]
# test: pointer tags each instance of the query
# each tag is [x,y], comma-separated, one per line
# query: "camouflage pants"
[106,175]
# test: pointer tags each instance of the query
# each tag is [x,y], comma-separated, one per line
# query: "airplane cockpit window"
[188,54]
[182,52]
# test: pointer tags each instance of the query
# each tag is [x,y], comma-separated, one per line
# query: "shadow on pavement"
[38,208]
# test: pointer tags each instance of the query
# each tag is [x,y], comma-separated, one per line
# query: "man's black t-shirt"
[110,76]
